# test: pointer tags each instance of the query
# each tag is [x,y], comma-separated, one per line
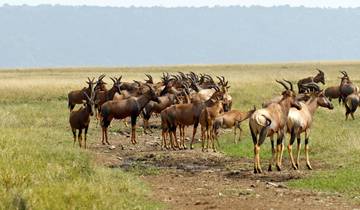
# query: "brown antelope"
[130,107]
[166,100]
[320,77]
[300,121]
[100,84]
[102,96]
[184,115]
[352,101]
[346,86]
[77,96]
[231,119]
[333,92]
[207,117]
[80,119]
[270,120]
[225,89]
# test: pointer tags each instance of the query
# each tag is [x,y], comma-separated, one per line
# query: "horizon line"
[181,7]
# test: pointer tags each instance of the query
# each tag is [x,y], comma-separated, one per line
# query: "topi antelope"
[80,119]
[77,96]
[130,107]
[320,77]
[300,121]
[270,120]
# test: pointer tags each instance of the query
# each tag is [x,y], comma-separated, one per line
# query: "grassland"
[40,168]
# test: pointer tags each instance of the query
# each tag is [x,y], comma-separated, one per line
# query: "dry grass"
[40,167]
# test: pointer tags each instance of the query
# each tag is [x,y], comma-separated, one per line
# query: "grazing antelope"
[231,119]
[80,119]
[77,96]
[320,77]
[207,117]
[130,107]
[352,101]
[300,121]
[270,120]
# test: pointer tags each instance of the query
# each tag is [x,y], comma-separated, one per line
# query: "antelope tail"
[268,121]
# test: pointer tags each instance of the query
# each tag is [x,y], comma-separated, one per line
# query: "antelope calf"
[231,119]
[80,119]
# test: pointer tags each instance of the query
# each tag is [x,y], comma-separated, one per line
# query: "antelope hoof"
[203,150]
[309,166]
[103,143]
[270,168]
[278,167]
[295,167]
[191,147]
[184,147]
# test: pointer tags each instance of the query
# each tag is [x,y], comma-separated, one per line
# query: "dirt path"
[191,179]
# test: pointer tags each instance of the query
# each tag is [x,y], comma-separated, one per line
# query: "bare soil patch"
[192,179]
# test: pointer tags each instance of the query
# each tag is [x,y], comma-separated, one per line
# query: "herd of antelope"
[186,99]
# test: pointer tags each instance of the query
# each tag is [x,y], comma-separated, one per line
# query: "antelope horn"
[291,86]
[223,79]
[112,79]
[320,71]
[311,85]
[101,77]
[219,79]
[344,73]
[149,77]
[119,78]
[283,84]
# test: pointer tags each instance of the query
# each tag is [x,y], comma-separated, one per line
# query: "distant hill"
[45,36]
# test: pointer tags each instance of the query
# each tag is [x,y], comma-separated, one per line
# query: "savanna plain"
[41,169]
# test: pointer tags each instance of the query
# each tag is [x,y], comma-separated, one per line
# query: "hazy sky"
[197,3]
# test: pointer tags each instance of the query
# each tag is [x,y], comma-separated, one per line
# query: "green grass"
[40,168]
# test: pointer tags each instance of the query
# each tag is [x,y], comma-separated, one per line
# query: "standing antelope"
[77,96]
[231,119]
[80,119]
[130,107]
[102,96]
[207,117]
[352,101]
[300,121]
[346,86]
[320,77]
[270,120]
